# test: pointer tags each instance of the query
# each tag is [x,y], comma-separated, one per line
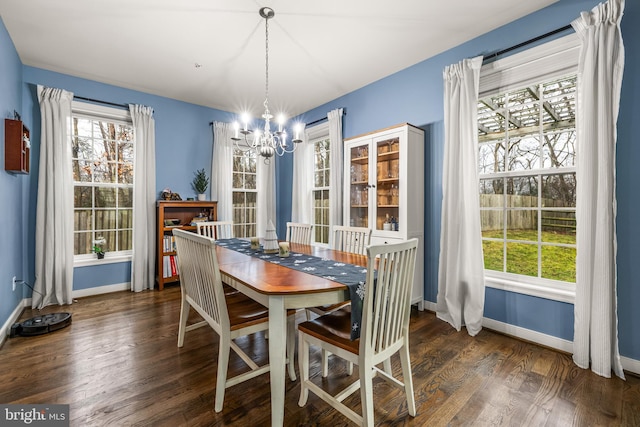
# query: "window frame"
[238,153]
[119,116]
[316,134]
[541,63]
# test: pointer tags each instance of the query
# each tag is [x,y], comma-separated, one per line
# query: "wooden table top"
[273,279]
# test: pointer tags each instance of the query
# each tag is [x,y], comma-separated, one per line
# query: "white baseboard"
[13,318]
[628,364]
[98,290]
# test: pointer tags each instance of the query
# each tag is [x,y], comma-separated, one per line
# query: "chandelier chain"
[266,62]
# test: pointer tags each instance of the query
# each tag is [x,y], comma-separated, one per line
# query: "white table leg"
[277,346]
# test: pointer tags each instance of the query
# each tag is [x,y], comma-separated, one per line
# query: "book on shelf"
[174,270]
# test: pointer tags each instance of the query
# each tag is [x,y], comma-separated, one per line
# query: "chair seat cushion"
[243,311]
[334,328]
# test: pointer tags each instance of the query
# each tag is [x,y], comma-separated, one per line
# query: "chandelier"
[265,143]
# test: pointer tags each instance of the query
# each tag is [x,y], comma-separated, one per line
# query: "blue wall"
[412,95]
[12,187]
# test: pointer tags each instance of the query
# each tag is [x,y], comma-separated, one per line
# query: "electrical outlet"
[14,283]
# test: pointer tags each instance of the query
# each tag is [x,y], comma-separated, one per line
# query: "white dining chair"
[216,229]
[230,316]
[299,233]
[351,239]
[384,332]
[346,239]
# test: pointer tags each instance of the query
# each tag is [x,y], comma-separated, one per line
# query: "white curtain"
[54,209]
[266,210]
[144,199]
[301,197]
[600,68]
[222,170]
[460,298]
[335,164]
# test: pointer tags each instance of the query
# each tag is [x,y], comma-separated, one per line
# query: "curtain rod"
[525,43]
[324,119]
[101,102]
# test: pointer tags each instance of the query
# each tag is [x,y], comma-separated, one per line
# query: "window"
[321,169]
[244,193]
[526,161]
[102,148]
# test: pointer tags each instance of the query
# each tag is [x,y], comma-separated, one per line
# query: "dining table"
[280,288]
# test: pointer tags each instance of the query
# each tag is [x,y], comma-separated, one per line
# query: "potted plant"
[200,183]
[97,246]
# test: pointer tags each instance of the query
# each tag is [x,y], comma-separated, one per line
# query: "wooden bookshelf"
[176,214]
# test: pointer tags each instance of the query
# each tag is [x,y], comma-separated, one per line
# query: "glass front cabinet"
[385,189]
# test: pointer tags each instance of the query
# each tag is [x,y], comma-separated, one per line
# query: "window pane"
[559,149]
[493,254]
[491,157]
[522,192]
[125,197]
[83,220]
[559,227]
[125,240]
[492,192]
[105,219]
[522,225]
[250,182]
[491,221]
[559,190]
[522,259]
[82,197]
[125,218]
[559,263]
[105,197]
[524,153]
[82,171]
[82,243]
[125,173]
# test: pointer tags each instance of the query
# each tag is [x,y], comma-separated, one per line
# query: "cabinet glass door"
[359,188]
[387,184]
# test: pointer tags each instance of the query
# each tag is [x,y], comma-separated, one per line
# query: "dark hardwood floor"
[118,365]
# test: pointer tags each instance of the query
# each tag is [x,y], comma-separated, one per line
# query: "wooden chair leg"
[182,326]
[223,365]
[291,346]
[366,394]
[303,365]
[325,363]
[405,361]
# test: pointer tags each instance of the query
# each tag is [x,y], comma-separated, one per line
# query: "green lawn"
[558,263]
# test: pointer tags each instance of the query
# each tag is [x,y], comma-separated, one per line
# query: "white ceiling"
[319,50]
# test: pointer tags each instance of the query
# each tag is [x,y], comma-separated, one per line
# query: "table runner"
[353,276]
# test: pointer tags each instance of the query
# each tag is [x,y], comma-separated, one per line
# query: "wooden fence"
[525,219]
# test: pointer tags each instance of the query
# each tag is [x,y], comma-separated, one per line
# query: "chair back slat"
[387,303]
[216,229]
[200,279]
[351,239]
[299,233]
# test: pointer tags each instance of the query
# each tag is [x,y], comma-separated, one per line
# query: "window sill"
[89,261]
[558,291]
